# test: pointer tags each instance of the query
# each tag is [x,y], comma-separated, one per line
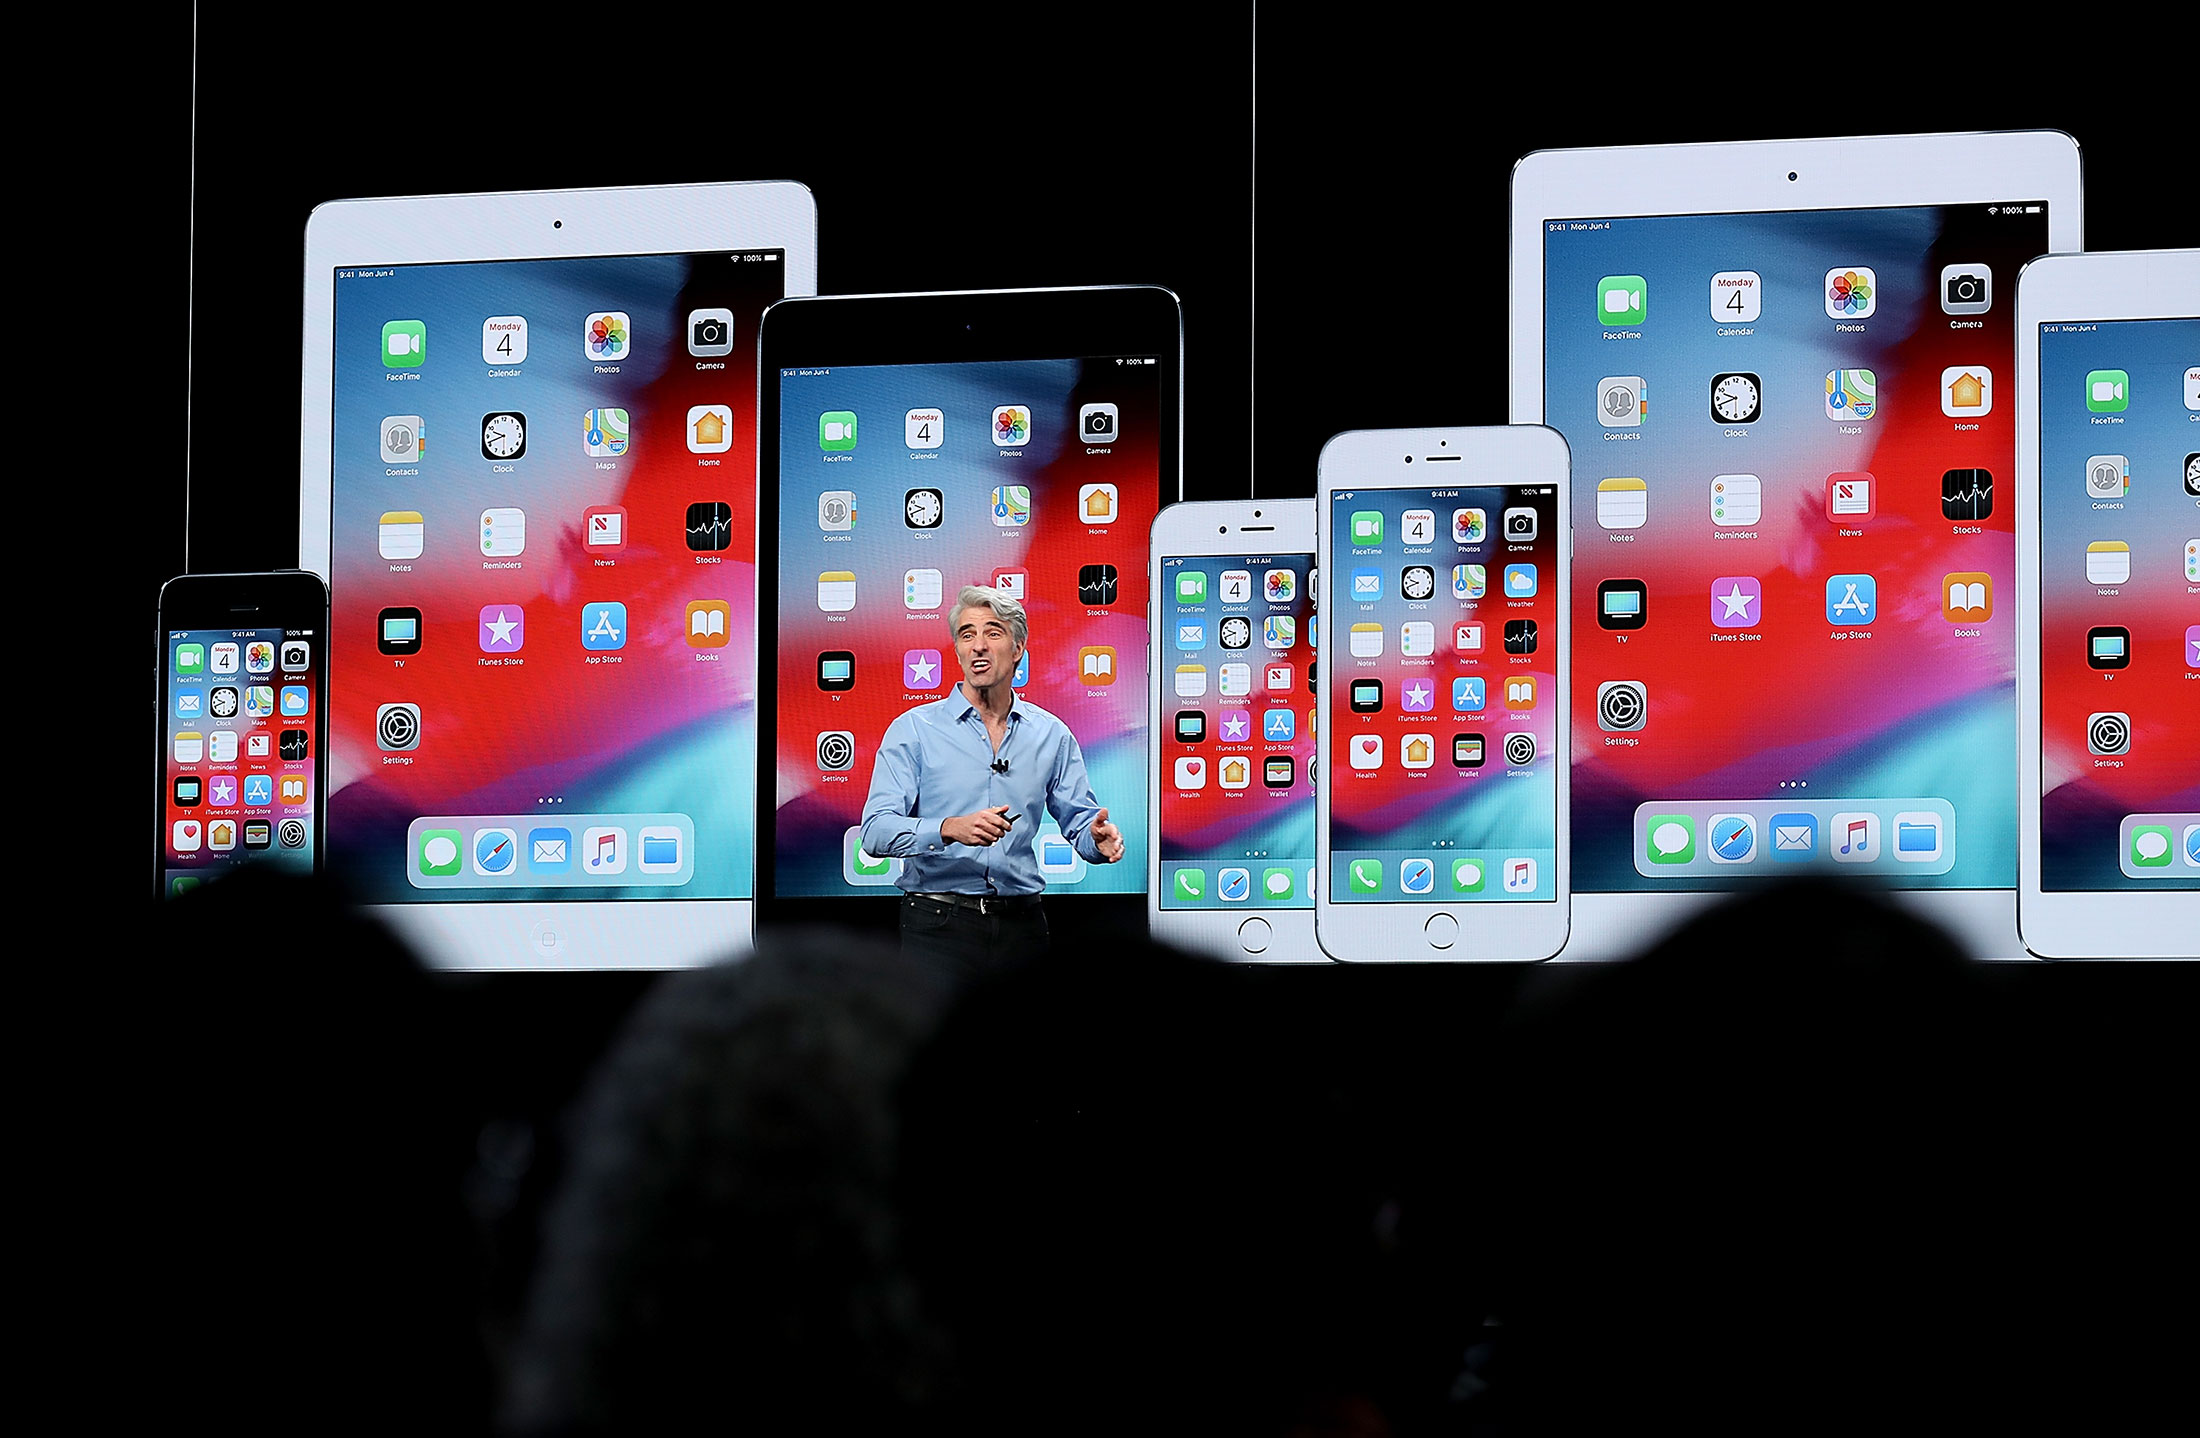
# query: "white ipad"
[1440,778]
[1785,370]
[2108,578]
[529,470]
[1230,703]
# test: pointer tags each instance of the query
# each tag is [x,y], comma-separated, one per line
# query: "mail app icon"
[549,849]
[1367,584]
[1794,836]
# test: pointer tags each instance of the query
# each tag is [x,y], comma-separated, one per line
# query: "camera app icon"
[1520,525]
[710,332]
[1966,289]
[1097,423]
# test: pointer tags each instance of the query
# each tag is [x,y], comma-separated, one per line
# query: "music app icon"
[1854,838]
[603,851]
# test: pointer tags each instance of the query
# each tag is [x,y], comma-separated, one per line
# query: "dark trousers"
[969,943]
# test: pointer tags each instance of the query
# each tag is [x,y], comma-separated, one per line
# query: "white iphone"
[1441,773]
[1231,718]
[2108,583]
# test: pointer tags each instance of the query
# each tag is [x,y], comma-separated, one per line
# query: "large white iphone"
[2108,579]
[1231,715]
[1441,776]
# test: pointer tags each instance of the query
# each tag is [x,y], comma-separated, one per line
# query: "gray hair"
[1005,609]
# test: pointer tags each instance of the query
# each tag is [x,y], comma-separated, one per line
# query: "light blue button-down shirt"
[937,762]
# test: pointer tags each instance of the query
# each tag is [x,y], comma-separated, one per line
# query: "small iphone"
[243,669]
[1231,714]
[1441,774]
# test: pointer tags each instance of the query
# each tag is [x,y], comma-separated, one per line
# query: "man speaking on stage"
[957,792]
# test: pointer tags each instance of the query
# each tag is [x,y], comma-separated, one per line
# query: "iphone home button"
[1443,931]
[1253,933]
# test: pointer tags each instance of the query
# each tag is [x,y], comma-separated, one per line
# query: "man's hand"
[1106,838]
[984,828]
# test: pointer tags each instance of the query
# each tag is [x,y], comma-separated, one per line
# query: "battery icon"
[2031,209]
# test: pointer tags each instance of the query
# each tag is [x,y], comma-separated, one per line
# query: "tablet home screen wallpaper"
[542,571]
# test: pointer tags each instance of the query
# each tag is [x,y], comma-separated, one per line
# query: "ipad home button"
[1442,931]
[547,939]
[1254,934]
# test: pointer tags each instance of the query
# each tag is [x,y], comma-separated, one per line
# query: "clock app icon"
[922,508]
[503,435]
[1736,398]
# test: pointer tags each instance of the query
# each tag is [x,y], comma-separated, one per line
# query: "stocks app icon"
[1967,494]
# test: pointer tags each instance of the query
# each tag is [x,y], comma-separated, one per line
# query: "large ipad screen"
[1794,623]
[900,484]
[1444,685]
[2119,436]
[1237,740]
[541,555]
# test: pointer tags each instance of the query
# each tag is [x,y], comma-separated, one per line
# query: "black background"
[1341,265]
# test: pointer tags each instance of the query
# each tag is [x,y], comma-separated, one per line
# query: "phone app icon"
[1672,838]
[1966,391]
[922,589]
[2107,391]
[1794,837]
[1623,401]
[1854,837]
[1191,885]
[440,854]
[1365,875]
[1367,527]
[397,631]
[1191,587]
[1967,597]
[2152,846]
[1851,394]
[1096,665]
[1852,292]
[404,534]
[1191,725]
[1096,504]
[496,852]
[1236,632]
[1622,300]
[709,623]
[1467,751]
[1851,599]
[1468,581]
[603,625]
[1011,506]
[503,532]
[1277,886]
[404,344]
[1737,296]
[1469,693]
[1967,494]
[1278,586]
[1622,503]
[1191,772]
[920,669]
[1622,603]
[503,628]
[1011,425]
[1737,601]
[1731,838]
[1737,500]
[1623,705]
[2107,561]
[1096,585]
[1520,581]
[403,437]
[710,428]
[1417,526]
[836,670]
[1469,526]
[604,433]
[710,332]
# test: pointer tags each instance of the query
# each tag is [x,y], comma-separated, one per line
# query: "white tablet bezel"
[547,224]
[1486,932]
[1214,529]
[1868,172]
[2065,924]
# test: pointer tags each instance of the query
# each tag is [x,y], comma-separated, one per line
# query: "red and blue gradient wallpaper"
[1442,615]
[900,484]
[1792,440]
[237,738]
[1237,720]
[542,471]
[2119,416]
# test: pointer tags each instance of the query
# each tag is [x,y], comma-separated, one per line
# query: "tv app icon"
[1622,604]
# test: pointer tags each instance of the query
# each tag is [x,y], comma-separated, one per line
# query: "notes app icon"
[404,534]
[1622,503]
[2108,561]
